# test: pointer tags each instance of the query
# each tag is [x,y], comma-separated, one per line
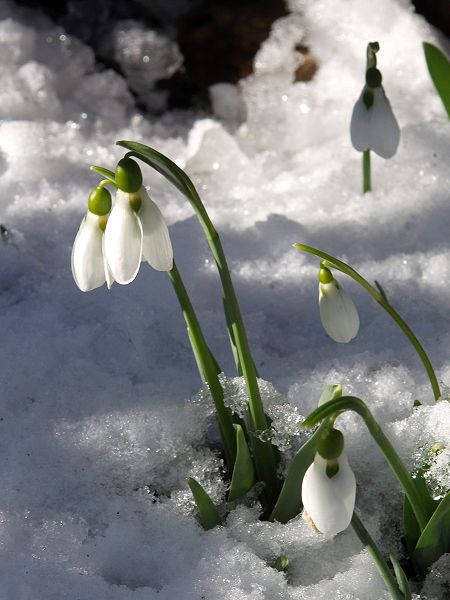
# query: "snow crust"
[102,417]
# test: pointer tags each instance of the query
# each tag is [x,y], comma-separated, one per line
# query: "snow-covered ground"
[102,417]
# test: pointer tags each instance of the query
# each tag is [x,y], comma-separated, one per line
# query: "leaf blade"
[439,69]
[243,478]
[435,538]
[208,513]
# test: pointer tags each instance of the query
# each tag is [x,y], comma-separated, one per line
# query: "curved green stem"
[395,462]
[367,177]
[380,297]
[377,557]
[262,451]
[206,366]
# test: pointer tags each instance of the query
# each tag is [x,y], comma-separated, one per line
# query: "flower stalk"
[262,451]
[206,366]
[367,175]
[381,565]
[380,297]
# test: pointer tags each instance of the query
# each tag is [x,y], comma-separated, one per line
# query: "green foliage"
[106,173]
[410,525]
[435,538]
[439,69]
[282,563]
[402,580]
[243,478]
[207,511]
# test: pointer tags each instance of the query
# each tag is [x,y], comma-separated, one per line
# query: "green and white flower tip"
[338,313]
[136,229]
[89,267]
[329,486]
[373,125]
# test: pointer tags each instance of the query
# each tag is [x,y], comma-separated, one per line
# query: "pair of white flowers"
[329,487]
[110,246]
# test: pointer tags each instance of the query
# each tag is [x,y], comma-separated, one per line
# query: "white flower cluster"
[111,244]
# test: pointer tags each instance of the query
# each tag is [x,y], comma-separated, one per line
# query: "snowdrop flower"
[337,311]
[329,487]
[136,229]
[373,125]
[89,267]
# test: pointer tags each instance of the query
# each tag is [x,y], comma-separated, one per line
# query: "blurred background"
[172,51]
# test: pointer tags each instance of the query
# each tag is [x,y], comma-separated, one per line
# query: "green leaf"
[410,524]
[207,511]
[243,473]
[106,173]
[232,338]
[435,538]
[402,580]
[289,501]
[282,563]
[439,69]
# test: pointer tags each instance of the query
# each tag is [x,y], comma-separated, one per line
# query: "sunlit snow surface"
[101,415]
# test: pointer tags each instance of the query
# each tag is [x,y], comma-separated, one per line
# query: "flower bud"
[338,313]
[128,175]
[331,444]
[373,77]
[99,202]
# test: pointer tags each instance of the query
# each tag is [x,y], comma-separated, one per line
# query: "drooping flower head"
[89,266]
[338,313]
[373,124]
[329,486]
[136,229]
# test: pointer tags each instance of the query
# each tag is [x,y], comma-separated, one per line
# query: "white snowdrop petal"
[384,131]
[123,240]
[87,256]
[329,501]
[359,125]
[338,313]
[156,246]
[108,275]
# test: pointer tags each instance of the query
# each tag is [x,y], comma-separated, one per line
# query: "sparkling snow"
[102,416]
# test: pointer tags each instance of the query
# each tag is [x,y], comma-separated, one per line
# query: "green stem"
[367,179]
[395,462]
[381,299]
[262,451]
[383,569]
[206,366]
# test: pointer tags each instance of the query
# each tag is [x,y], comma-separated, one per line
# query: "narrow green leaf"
[207,511]
[289,501]
[377,557]
[106,173]
[410,524]
[435,538]
[243,473]
[439,69]
[232,339]
[402,580]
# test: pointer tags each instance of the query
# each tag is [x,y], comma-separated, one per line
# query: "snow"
[102,416]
